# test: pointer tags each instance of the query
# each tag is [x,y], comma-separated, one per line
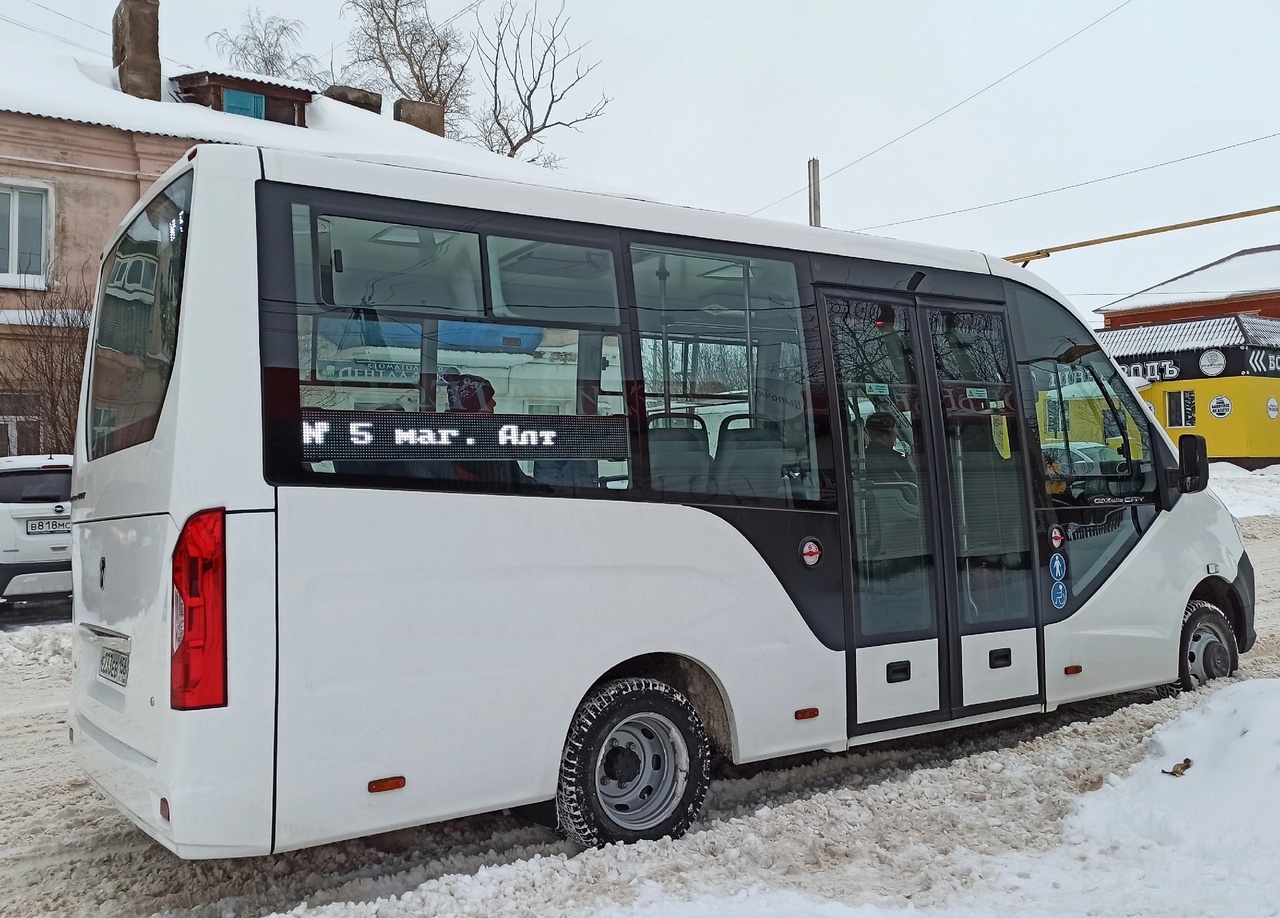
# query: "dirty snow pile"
[1246,493]
[36,646]
[1201,843]
[1148,843]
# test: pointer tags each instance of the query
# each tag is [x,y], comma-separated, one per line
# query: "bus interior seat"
[993,522]
[679,451]
[749,460]
[894,563]
[894,526]
[567,473]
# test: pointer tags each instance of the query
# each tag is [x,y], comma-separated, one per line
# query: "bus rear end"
[172,700]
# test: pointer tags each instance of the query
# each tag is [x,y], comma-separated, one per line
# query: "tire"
[1207,650]
[635,765]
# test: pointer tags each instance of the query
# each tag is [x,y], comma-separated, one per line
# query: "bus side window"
[723,341]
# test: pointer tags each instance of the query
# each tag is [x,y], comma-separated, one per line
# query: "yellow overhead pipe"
[1025,257]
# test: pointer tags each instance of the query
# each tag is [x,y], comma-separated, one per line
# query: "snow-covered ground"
[1064,814]
[1246,493]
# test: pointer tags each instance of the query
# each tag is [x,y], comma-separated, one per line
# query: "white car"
[1088,459]
[35,528]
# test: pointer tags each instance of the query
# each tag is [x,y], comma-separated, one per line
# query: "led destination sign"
[373,435]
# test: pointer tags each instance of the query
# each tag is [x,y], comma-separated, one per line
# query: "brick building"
[82,139]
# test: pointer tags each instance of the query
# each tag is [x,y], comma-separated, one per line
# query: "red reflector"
[1074,670]
[43,467]
[386,784]
[191,155]
[164,808]
[806,714]
[198,667]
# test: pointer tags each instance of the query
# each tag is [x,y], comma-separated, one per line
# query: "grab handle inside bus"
[1193,464]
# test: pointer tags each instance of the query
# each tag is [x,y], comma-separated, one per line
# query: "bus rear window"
[136,329]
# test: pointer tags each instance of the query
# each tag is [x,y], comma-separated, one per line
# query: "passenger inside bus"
[472,394]
[884,462]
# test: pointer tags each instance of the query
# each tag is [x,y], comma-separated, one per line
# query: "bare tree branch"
[401,48]
[524,61]
[271,46]
[44,360]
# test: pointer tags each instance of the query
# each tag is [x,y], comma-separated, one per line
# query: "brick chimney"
[427,116]
[135,47]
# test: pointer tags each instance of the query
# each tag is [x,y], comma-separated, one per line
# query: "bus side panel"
[448,639]
[1126,636]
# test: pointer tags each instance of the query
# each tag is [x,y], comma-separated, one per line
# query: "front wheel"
[1208,646]
[636,765]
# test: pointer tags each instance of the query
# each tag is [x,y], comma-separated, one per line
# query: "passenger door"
[944,622]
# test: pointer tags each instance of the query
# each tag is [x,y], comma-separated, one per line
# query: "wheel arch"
[692,679]
[1219,592]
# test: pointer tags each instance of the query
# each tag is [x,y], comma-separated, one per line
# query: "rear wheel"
[1208,647]
[635,765]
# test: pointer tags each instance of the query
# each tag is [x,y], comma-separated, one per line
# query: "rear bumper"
[125,776]
[133,783]
[25,581]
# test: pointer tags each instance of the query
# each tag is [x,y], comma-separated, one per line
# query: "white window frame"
[11,279]
[10,423]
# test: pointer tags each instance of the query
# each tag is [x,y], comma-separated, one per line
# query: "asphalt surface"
[13,617]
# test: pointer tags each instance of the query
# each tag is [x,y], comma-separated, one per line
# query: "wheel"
[635,765]
[1208,647]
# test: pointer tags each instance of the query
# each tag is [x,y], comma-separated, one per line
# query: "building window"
[1182,408]
[23,243]
[249,104]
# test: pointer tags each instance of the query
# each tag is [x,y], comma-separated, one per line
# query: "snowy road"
[953,822]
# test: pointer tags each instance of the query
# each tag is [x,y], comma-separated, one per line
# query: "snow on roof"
[251,77]
[1225,331]
[1246,273]
[49,84]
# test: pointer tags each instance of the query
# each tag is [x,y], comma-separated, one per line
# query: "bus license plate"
[36,527]
[114,667]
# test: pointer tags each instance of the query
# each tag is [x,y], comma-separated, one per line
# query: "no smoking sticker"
[811,552]
[1057,537]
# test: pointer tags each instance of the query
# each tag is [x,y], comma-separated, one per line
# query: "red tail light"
[198,671]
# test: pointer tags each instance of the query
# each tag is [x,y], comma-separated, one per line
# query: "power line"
[87,25]
[952,108]
[1040,194]
[69,18]
[30,28]
[1158,293]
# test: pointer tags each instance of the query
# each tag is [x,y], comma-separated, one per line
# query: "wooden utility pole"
[1025,257]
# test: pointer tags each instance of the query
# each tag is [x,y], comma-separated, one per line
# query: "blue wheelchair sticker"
[1058,594]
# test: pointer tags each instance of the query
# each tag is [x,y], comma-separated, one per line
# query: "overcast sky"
[720,104]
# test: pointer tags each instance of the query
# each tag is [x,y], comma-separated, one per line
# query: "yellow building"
[1217,377]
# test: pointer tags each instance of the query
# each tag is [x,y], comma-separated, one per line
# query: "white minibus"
[402,494]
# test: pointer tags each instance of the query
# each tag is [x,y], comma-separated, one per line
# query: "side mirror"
[1193,464]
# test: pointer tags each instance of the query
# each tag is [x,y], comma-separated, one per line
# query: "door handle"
[999,659]
[898,672]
